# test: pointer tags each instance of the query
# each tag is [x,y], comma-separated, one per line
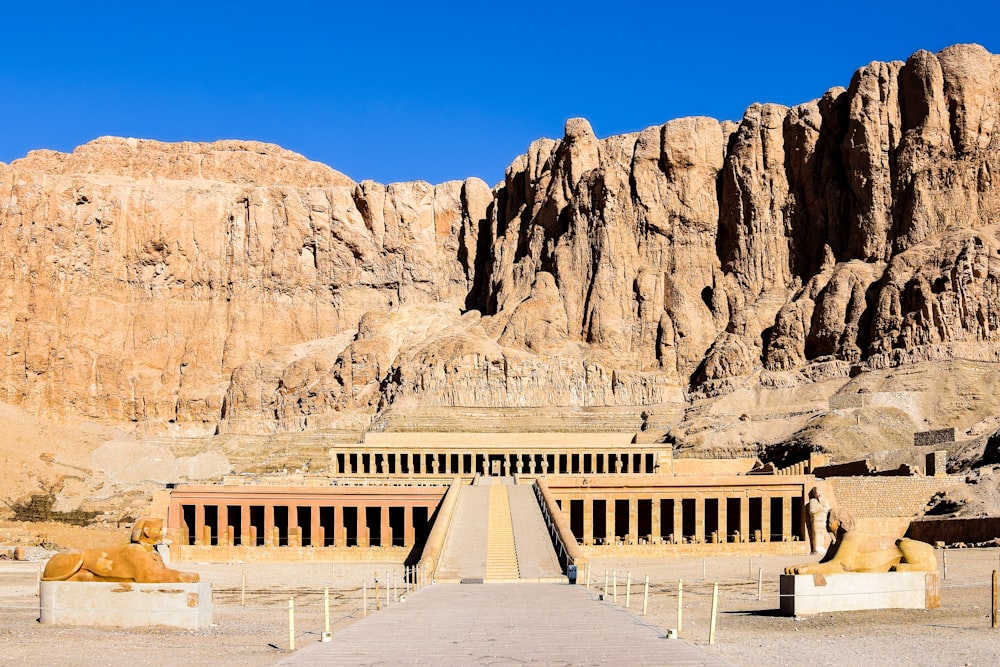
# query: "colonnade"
[263,517]
[466,463]
[675,517]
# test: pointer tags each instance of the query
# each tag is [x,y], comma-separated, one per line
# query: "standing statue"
[818,511]
[855,551]
[137,561]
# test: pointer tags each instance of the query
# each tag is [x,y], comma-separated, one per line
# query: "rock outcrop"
[238,287]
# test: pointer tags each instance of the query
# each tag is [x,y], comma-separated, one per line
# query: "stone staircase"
[497,535]
[501,553]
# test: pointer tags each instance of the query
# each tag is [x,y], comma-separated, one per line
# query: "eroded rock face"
[236,286]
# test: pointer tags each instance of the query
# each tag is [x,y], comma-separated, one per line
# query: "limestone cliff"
[238,287]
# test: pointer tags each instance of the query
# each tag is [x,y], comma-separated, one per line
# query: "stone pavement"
[464,553]
[502,624]
[536,559]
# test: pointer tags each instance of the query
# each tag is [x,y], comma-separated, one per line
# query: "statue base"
[125,605]
[804,594]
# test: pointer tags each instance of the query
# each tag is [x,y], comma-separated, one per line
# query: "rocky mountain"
[237,287]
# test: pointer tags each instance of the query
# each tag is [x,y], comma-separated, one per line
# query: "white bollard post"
[291,624]
[326,610]
[680,604]
[715,609]
[614,585]
[628,590]
[645,596]
[605,584]
[588,575]
[945,557]
[760,582]
[395,592]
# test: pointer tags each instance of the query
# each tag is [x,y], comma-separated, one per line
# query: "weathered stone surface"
[237,287]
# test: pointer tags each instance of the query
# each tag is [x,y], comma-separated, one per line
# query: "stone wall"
[941,436]
[887,504]
[951,531]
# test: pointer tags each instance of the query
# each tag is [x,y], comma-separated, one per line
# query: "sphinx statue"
[856,551]
[136,562]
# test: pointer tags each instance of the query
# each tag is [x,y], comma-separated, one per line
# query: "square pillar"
[744,519]
[315,528]
[678,520]
[765,518]
[339,536]
[333,462]
[386,527]
[245,526]
[588,521]
[699,520]
[656,525]
[633,520]
[409,537]
[786,519]
[199,524]
[269,526]
[609,521]
[723,519]
[362,529]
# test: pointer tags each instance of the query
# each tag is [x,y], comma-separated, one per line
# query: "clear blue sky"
[435,91]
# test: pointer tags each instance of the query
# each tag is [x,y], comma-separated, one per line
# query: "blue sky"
[401,91]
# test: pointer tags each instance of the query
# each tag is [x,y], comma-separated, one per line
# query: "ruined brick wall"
[888,497]
[942,436]
[950,531]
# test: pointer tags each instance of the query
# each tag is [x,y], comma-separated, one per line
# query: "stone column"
[642,462]
[339,532]
[399,460]
[699,520]
[765,518]
[409,536]
[315,528]
[678,520]
[633,519]
[531,464]
[609,519]
[334,469]
[723,520]
[744,519]
[199,523]
[386,526]
[656,529]
[245,526]
[269,525]
[786,519]
[362,528]
[588,521]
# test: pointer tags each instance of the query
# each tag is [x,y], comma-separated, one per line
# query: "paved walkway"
[536,558]
[464,553]
[502,624]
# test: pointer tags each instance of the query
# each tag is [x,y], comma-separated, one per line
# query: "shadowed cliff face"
[236,286]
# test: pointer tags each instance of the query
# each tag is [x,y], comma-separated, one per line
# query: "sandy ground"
[749,632]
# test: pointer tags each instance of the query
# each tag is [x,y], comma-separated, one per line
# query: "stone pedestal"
[802,595]
[125,605]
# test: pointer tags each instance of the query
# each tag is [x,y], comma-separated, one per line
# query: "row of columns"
[224,533]
[695,531]
[471,463]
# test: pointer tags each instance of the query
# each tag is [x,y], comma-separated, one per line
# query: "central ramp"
[498,535]
[548,624]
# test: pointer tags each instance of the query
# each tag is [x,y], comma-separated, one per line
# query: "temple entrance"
[495,468]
